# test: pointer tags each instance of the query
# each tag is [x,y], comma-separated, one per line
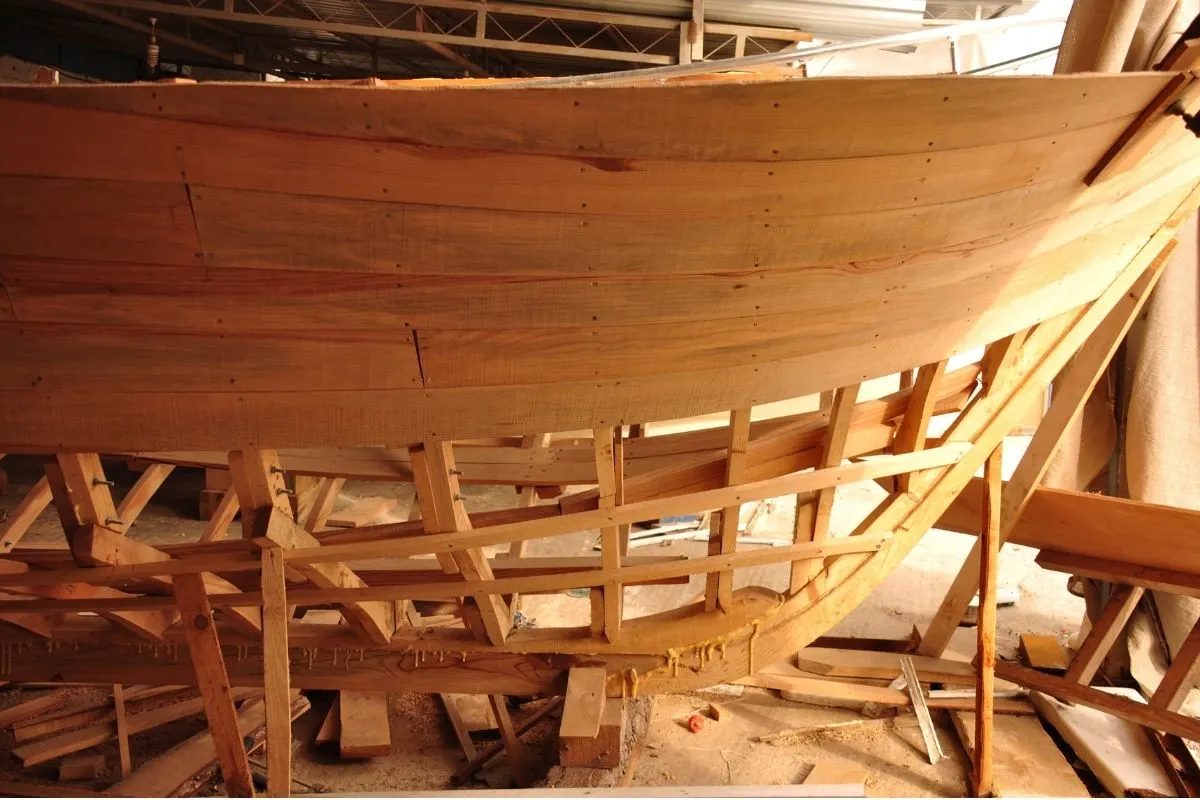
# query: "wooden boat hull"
[341,266]
[277,273]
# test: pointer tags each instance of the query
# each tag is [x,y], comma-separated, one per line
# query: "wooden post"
[212,678]
[122,730]
[611,605]
[276,674]
[986,659]
[724,523]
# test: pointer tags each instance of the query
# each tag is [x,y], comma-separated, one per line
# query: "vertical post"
[696,30]
[276,674]
[612,605]
[122,730]
[212,679]
[986,659]
[724,525]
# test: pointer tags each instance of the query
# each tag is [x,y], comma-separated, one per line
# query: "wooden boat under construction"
[453,283]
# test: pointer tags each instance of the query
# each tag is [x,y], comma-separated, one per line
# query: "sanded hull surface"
[350,265]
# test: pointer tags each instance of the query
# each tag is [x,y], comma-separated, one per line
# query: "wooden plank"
[1152,125]
[1027,761]
[1064,689]
[1122,572]
[31,709]
[92,735]
[933,747]
[886,666]
[985,660]
[1117,751]
[122,725]
[724,524]
[21,789]
[363,511]
[366,731]
[832,773]
[1044,652]
[1122,602]
[163,775]
[1179,679]
[213,679]
[603,749]
[461,731]
[813,524]
[609,609]
[276,674]
[584,705]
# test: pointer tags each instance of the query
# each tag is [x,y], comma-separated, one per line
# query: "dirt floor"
[425,752]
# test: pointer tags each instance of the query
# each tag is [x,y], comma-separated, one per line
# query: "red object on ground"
[695,723]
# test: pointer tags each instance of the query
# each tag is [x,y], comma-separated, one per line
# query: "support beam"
[19,520]
[126,763]
[986,657]
[276,674]
[724,523]
[148,483]
[1078,379]
[200,630]
[612,605]
[910,437]
[1104,633]
[266,512]
[443,512]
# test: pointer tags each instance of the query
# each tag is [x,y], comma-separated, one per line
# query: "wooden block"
[1116,750]
[714,712]
[1043,652]
[1026,761]
[366,731]
[474,711]
[836,773]
[331,728]
[363,511]
[584,705]
[83,767]
[602,751]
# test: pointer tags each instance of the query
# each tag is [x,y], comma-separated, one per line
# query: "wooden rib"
[612,599]
[1120,606]
[200,630]
[218,524]
[816,516]
[276,675]
[724,523]
[148,483]
[913,429]
[1173,689]
[18,522]
[1077,381]
[443,512]
[266,511]
[986,658]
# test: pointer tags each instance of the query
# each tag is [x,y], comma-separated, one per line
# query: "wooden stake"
[610,536]
[213,681]
[276,674]
[986,658]
[122,730]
